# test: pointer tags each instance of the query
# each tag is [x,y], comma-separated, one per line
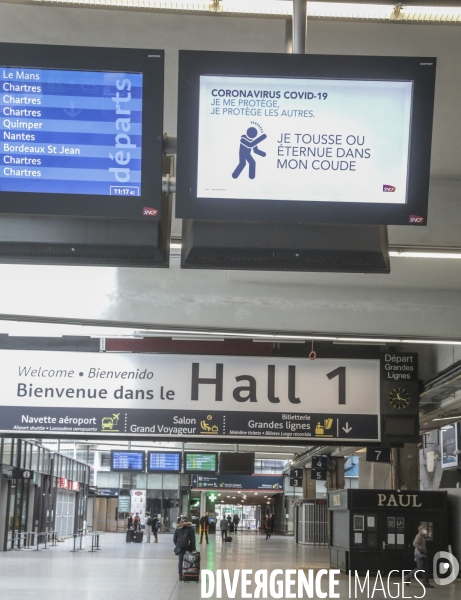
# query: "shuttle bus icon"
[110,422]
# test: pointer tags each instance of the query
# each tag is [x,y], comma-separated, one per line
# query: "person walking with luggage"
[130,529]
[224,524]
[419,544]
[236,521]
[148,526]
[184,541]
[204,523]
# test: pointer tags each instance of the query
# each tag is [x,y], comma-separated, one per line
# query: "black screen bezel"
[149,470]
[237,456]
[112,470]
[193,64]
[146,61]
[194,471]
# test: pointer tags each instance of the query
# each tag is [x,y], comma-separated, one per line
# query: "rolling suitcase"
[228,538]
[129,536]
[138,537]
[191,566]
[231,528]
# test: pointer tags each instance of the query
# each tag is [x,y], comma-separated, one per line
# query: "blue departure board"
[127,461]
[164,461]
[70,131]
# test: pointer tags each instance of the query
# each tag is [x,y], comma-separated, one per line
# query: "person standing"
[184,541]
[272,523]
[419,544]
[155,527]
[148,526]
[224,524]
[204,523]
[267,527]
[236,521]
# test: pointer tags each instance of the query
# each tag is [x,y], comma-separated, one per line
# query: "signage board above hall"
[201,397]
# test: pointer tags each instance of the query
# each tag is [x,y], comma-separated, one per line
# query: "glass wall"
[163,493]
[31,502]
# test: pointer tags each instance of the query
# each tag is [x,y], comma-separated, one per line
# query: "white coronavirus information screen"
[325,140]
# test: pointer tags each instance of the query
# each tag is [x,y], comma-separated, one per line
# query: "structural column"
[405,467]
[299,26]
[309,487]
[335,475]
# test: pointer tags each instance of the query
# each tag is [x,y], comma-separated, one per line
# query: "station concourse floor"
[122,571]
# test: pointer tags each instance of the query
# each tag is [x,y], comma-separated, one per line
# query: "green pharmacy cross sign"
[212,497]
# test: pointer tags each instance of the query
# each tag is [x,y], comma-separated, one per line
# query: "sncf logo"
[415,219]
[147,211]
[388,188]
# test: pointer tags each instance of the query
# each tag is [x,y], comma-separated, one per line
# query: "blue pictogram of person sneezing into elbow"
[249,142]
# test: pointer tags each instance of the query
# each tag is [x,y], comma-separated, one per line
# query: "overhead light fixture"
[431,14]
[22,327]
[282,8]
[427,254]
[447,418]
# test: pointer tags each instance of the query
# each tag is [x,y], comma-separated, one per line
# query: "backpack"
[150,521]
[183,539]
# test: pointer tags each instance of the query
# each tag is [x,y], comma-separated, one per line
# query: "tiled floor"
[123,571]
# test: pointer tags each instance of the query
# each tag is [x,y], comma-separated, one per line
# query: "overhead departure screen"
[164,461]
[70,132]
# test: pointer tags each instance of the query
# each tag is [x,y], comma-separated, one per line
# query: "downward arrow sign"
[347,428]
[72,112]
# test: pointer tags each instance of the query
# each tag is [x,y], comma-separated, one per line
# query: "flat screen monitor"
[81,130]
[351,466]
[305,138]
[201,462]
[128,461]
[164,462]
[450,454]
[237,463]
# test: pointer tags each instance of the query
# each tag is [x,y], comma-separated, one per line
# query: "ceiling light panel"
[390,12]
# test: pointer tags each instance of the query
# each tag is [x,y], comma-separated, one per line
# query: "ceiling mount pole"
[299,26]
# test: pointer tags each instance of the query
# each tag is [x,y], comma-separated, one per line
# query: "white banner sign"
[171,395]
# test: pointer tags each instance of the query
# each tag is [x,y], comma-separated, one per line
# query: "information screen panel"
[127,461]
[304,138]
[71,132]
[201,463]
[81,131]
[159,462]
[315,140]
